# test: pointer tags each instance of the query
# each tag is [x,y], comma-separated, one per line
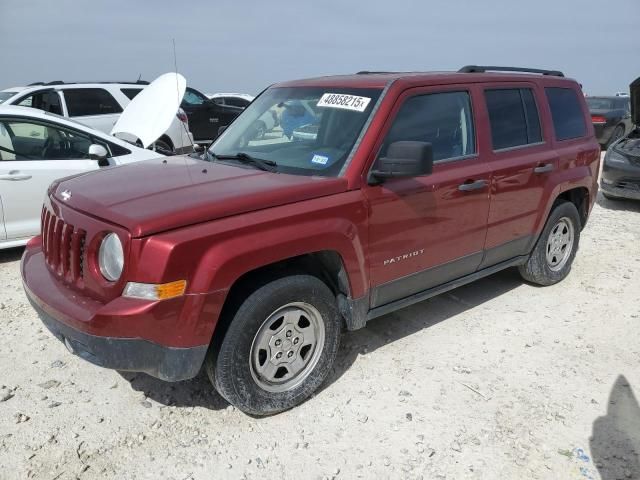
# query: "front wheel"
[551,259]
[279,347]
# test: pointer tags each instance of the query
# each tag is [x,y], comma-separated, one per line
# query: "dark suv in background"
[206,116]
[611,118]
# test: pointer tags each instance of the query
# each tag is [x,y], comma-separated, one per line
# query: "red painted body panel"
[182,218]
[158,195]
[426,214]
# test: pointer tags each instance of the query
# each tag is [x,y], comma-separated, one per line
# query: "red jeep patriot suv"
[379,190]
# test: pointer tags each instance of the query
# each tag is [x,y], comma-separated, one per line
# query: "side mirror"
[403,159]
[98,152]
[221,130]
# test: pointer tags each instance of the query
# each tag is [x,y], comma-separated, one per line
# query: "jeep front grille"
[63,246]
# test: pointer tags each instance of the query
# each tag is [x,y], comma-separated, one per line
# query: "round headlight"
[111,257]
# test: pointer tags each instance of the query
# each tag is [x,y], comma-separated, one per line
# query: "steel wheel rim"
[559,244]
[287,347]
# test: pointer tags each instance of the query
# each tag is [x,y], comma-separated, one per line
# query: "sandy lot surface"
[497,379]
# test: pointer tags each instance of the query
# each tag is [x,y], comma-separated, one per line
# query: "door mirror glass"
[404,159]
[98,152]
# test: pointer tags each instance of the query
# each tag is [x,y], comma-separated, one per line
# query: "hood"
[152,111]
[634,90]
[166,193]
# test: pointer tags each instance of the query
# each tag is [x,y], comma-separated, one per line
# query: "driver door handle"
[470,186]
[546,168]
[14,175]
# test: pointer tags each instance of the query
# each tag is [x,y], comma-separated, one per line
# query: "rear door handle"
[470,186]
[544,168]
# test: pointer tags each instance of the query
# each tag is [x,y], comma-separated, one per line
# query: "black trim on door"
[416,282]
[448,275]
[432,292]
[514,248]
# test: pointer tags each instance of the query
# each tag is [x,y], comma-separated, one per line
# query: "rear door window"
[513,116]
[566,112]
[90,101]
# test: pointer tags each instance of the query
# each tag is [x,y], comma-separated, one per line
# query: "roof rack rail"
[491,68]
[60,82]
[367,72]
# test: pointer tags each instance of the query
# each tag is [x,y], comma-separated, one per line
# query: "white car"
[38,147]
[97,105]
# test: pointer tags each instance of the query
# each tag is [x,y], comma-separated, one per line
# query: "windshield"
[595,103]
[4,96]
[305,131]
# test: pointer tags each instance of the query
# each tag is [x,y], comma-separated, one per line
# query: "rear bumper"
[112,334]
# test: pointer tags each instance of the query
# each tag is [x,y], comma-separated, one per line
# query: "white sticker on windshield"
[320,159]
[346,102]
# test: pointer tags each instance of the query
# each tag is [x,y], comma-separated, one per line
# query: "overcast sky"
[246,45]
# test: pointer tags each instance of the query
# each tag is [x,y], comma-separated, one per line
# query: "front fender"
[212,256]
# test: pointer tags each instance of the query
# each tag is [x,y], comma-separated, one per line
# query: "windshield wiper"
[242,157]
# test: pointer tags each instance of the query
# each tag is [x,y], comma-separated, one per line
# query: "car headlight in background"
[614,157]
[111,257]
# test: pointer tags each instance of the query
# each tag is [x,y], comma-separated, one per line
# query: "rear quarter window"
[566,113]
[131,93]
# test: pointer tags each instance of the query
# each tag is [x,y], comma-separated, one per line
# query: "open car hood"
[151,112]
[634,90]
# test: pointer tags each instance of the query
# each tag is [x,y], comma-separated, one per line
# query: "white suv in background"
[97,105]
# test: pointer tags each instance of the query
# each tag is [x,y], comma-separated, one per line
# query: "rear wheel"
[551,259]
[279,347]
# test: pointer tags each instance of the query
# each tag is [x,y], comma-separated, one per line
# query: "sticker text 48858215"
[344,101]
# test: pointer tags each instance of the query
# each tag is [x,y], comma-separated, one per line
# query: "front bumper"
[621,180]
[71,318]
[126,354]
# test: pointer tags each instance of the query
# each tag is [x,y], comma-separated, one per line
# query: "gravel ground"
[497,379]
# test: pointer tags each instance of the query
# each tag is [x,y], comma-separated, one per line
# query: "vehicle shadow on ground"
[618,204]
[615,441]
[197,392]
[405,322]
[11,254]
[379,332]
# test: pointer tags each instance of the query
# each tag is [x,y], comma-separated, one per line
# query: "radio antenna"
[175,67]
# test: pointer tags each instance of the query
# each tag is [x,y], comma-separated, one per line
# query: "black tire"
[617,134]
[230,368]
[538,268]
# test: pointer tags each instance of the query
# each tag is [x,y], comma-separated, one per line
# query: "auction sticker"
[344,101]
